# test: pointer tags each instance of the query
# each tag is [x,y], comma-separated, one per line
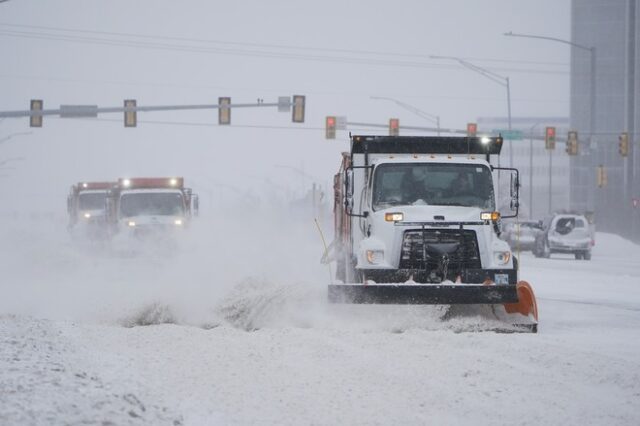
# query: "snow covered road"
[265,351]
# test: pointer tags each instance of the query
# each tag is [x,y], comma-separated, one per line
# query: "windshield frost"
[468,185]
[159,204]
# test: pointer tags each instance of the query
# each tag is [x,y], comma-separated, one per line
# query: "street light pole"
[496,78]
[420,113]
[592,91]
[531,170]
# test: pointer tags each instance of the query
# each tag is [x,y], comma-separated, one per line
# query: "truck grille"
[465,256]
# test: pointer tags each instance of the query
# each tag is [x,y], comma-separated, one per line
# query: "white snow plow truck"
[86,205]
[416,223]
[147,207]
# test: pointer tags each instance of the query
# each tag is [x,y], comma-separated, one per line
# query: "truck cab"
[422,210]
[150,206]
[86,206]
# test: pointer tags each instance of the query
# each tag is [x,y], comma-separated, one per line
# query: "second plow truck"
[150,207]
[86,205]
[416,222]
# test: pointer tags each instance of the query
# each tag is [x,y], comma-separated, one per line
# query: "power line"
[364,60]
[363,94]
[263,45]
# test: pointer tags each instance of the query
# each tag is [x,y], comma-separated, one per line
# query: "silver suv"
[565,233]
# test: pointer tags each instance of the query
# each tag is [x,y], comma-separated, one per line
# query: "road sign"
[513,134]
[74,111]
[284,104]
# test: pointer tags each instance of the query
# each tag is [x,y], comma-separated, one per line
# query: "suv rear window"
[565,225]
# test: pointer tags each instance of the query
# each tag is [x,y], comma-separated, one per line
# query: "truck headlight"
[393,217]
[494,216]
[87,215]
[502,257]
[131,223]
[375,256]
[178,222]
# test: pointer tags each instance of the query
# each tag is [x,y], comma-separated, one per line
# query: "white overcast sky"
[337,53]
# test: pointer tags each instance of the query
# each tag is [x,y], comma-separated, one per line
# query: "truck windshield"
[438,184]
[151,203]
[92,201]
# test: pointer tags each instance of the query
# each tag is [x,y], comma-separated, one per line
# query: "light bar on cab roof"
[81,186]
[361,144]
[154,182]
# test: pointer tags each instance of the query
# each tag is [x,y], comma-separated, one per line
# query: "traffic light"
[394,127]
[330,127]
[601,176]
[472,129]
[298,109]
[623,144]
[36,120]
[572,143]
[224,111]
[550,138]
[130,117]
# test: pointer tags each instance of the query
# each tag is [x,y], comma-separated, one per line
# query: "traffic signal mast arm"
[36,111]
[90,110]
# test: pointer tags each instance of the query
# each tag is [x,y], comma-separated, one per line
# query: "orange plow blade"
[526,304]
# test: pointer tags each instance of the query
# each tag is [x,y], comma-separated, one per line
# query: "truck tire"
[586,255]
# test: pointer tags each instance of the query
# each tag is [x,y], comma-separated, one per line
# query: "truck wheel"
[586,255]
[578,255]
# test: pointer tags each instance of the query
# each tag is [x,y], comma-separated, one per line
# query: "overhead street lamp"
[496,78]
[592,88]
[430,117]
[592,94]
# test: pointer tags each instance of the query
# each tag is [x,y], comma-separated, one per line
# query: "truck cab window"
[467,185]
[157,203]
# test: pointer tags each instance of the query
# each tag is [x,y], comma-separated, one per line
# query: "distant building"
[608,32]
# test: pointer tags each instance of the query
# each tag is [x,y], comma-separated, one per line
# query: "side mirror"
[515,185]
[69,203]
[511,203]
[348,190]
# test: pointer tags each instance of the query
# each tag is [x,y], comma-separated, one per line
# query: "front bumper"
[470,276]
[569,246]
[422,294]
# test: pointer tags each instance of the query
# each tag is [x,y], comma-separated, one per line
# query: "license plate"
[501,278]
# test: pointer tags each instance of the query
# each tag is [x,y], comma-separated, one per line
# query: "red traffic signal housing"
[394,127]
[550,138]
[330,127]
[472,129]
